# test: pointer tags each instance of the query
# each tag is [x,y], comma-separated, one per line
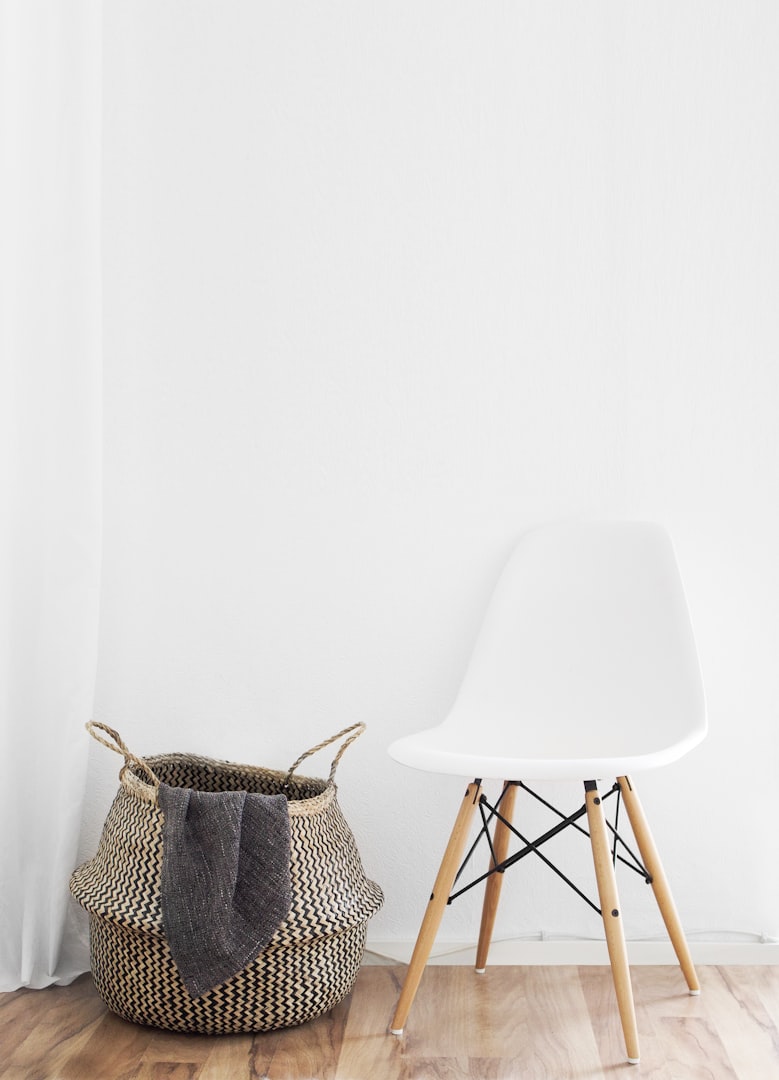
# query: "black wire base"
[491,816]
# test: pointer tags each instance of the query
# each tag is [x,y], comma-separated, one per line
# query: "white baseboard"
[535,952]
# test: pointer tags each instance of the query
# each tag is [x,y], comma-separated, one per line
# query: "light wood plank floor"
[511,1023]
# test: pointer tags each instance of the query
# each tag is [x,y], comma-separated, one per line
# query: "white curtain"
[50,437]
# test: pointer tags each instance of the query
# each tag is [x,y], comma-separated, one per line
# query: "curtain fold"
[50,470]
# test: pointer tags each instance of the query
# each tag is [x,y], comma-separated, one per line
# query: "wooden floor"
[532,1022]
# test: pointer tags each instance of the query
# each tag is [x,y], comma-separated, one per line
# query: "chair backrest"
[586,649]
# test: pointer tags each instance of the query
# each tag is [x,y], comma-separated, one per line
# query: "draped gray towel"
[225,882]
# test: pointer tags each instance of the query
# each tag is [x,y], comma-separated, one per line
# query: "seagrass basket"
[311,961]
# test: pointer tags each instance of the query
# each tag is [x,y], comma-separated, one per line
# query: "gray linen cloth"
[225,884]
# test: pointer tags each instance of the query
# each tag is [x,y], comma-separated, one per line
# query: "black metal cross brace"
[491,813]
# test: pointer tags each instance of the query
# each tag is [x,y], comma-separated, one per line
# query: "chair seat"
[585,666]
[468,754]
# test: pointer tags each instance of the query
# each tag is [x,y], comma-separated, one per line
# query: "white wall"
[385,285]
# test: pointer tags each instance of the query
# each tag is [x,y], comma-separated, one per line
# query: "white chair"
[585,668]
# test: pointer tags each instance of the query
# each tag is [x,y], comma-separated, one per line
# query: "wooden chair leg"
[612,919]
[435,908]
[495,881]
[651,859]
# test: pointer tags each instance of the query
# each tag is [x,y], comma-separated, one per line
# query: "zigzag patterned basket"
[313,958]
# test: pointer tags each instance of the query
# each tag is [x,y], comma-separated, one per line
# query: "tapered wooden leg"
[612,919]
[500,845]
[435,908]
[651,859]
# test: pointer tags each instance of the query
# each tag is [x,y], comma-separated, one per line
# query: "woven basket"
[311,961]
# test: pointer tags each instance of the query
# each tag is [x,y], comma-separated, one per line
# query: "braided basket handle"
[119,747]
[354,732]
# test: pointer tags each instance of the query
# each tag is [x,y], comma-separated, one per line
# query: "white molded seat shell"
[585,666]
